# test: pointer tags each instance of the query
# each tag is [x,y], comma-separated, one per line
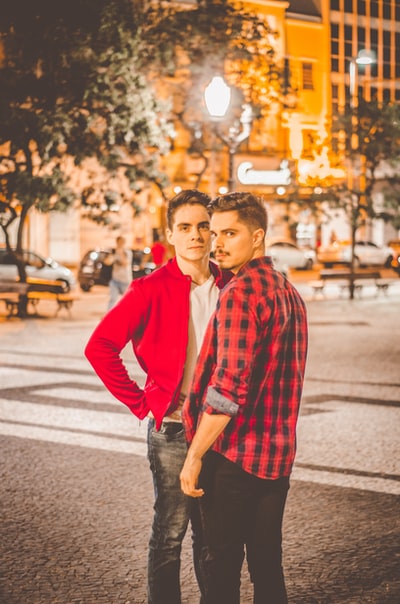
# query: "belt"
[171,427]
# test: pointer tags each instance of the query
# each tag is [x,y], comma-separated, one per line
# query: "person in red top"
[241,412]
[164,315]
[158,250]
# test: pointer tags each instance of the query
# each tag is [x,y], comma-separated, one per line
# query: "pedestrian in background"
[158,250]
[241,413]
[164,315]
[121,273]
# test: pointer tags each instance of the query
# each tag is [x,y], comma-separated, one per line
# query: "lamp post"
[217,97]
[364,57]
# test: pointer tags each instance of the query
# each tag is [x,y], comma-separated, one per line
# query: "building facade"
[317,40]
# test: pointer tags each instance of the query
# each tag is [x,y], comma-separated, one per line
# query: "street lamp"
[364,57]
[217,97]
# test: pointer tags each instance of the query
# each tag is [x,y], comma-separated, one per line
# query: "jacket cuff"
[220,403]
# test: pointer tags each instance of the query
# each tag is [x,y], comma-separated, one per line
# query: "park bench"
[10,292]
[341,278]
[35,290]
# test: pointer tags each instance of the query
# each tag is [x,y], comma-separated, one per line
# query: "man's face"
[234,243]
[190,234]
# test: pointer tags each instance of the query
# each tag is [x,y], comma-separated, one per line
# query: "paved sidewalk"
[76,491]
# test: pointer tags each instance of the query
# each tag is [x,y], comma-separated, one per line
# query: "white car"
[286,255]
[36,266]
[366,253]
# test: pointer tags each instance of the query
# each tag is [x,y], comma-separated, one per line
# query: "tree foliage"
[374,190]
[370,186]
[72,87]
[95,81]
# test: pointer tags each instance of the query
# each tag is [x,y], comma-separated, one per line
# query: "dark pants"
[240,511]
[172,511]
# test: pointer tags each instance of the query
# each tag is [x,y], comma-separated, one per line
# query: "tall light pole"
[217,98]
[364,57]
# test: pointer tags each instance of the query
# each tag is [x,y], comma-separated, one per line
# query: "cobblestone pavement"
[76,494]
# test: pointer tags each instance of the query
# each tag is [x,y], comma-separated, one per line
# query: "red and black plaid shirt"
[251,367]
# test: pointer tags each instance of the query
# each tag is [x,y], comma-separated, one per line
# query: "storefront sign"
[247,175]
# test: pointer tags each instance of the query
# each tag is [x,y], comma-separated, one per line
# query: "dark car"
[94,270]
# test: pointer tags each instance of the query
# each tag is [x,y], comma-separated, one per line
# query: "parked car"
[94,270]
[36,266]
[286,255]
[366,253]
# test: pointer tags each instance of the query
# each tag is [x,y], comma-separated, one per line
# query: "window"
[348,49]
[386,38]
[386,54]
[361,9]
[374,92]
[348,32]
[386,11]
[374,9]
[348,6]
[308,80]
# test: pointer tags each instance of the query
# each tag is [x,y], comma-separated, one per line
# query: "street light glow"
[217,96]
[365,57]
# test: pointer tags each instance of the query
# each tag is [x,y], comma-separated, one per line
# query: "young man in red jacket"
[164,316]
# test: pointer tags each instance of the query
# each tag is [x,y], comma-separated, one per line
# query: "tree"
[72,89]
[80,81]
[368,142]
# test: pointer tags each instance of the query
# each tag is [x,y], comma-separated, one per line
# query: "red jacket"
[154,315]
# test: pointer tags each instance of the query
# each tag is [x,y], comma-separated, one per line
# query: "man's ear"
[168,233]
[258,237]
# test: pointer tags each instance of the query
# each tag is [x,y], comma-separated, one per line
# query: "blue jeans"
[172,512]
[117,289]
[240,511]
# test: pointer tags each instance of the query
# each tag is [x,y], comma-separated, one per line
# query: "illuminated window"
[308,80]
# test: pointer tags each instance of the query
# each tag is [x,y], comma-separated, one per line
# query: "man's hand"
[189,476]
[209,428]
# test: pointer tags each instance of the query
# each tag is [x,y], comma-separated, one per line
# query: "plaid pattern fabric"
[251,366]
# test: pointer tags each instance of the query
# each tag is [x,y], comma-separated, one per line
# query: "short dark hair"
[186,197]
[250,208]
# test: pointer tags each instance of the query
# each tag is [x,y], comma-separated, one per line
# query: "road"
[76,489]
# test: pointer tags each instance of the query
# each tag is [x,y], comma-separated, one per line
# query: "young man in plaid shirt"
[241,413]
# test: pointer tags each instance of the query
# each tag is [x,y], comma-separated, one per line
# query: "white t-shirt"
[203,300]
